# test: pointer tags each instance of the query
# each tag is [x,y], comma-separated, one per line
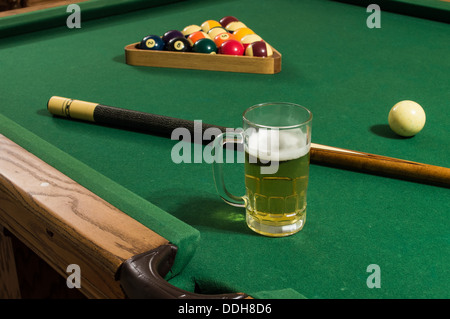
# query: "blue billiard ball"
[152,42]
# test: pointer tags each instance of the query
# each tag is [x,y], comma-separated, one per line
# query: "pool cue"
[320,154]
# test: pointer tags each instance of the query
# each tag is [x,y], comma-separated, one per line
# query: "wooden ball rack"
[203,61]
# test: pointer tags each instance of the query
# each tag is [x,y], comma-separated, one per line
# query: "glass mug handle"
[219,142]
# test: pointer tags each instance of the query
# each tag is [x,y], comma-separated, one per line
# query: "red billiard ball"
[232,47]
[259,48]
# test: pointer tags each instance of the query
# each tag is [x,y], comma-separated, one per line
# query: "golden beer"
[277,141]
[276,201]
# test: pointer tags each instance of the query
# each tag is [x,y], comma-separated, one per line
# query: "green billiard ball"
[205,46]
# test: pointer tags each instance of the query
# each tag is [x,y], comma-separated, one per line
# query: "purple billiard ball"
[169,35]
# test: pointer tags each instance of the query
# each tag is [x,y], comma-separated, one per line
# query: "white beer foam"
[278,145]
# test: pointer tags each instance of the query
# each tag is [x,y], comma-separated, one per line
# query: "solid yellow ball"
[407,118]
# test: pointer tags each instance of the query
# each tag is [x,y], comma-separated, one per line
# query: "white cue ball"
[406,118]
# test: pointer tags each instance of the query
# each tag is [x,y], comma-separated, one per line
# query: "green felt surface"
[438,10]
[348,75]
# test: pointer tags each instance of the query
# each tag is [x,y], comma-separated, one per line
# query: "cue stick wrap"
[320,154]
[124,118]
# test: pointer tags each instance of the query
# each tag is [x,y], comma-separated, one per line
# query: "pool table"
[106,198]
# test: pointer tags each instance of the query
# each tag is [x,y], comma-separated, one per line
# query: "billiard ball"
[209,24]
[194,37]
[179,44]
[191,29]
[242,32]
[248,39]
[233,26]
[216,31]
[259,48]
[226,20]
[221,38]
[152,42]
[169,35]
[205,45]
[406,118]
[231,47]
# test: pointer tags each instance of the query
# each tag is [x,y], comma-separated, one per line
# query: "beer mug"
[276,140]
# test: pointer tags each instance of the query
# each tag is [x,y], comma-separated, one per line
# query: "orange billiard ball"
[221,38]
[242,32]
[194,37]
[209,24]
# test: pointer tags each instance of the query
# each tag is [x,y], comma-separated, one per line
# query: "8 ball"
[179,44]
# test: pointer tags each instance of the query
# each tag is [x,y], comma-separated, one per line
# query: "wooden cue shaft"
[380,165]
[320,154]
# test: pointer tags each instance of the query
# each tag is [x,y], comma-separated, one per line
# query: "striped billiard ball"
[194,37]
[259,48]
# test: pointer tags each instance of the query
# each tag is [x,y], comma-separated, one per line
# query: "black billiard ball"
[179,44]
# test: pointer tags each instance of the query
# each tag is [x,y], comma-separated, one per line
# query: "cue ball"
[406,118]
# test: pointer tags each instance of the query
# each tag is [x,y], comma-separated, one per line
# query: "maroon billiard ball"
[259,48]
[226,20]
[231,47]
